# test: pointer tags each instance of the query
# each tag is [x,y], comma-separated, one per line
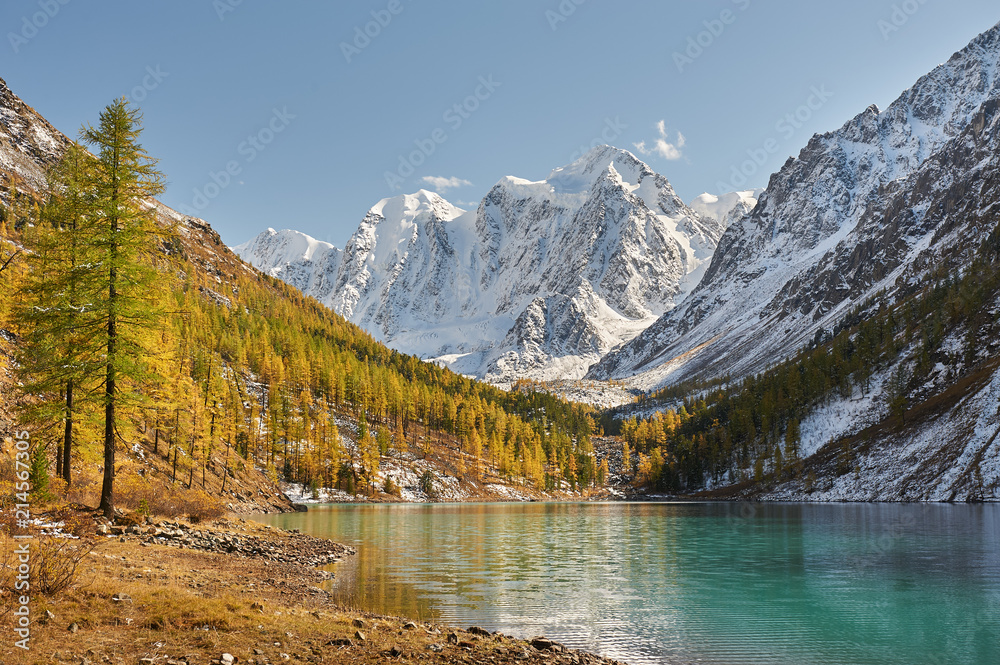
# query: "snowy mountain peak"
[413,206]
[540,280]
[581,175]
[859,212]
[291,256]
[726,208]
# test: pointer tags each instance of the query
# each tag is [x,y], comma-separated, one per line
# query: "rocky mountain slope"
[896,216]
[28,143]
[862,210]
[540,281]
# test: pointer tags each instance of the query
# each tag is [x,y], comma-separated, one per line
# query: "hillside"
[868,209]
[842,344]
[899,404]
[260,384]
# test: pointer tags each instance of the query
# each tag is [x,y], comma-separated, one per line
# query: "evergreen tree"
[57,361]
[123,233]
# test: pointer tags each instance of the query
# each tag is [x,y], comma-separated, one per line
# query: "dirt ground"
[171,593]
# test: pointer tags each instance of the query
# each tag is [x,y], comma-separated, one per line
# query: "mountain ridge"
[539,281]
[816,210]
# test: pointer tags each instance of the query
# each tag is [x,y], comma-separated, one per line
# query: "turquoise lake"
[734,584]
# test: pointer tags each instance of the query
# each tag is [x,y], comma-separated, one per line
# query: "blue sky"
[291,114]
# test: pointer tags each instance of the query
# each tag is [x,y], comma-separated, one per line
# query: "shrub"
[53,563]
[427,483]
[76,522]
[391,488]
[133,518]
[194,504]
[145,497]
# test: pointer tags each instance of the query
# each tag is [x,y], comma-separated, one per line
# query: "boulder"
[543,644]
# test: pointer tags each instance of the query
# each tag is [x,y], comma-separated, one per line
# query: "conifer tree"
[123,233]
[57,362]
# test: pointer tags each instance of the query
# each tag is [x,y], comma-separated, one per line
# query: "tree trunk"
[68,439]
[191,463]
[225,472]
[107,489]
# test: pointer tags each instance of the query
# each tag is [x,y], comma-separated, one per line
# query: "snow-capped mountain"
[862,210]
[726,209]
[540,281]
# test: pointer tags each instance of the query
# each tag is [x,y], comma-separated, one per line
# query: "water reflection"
[726,583]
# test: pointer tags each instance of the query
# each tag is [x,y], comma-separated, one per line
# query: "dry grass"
[55,563]
[183,603]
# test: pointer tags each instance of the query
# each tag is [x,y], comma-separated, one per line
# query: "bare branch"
[10,260]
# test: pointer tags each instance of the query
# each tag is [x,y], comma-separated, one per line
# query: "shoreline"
[307,505]
[169,592]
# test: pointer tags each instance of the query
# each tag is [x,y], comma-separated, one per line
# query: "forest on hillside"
[128,331]
[729,432]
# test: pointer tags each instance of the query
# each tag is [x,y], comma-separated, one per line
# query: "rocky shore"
[238,592]
[290,547]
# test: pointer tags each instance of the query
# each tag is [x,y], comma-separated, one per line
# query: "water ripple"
[710,583]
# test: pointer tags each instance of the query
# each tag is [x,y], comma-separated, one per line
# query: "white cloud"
[662,146]
[442,184]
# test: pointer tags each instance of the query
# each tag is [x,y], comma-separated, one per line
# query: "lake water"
[786,584]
